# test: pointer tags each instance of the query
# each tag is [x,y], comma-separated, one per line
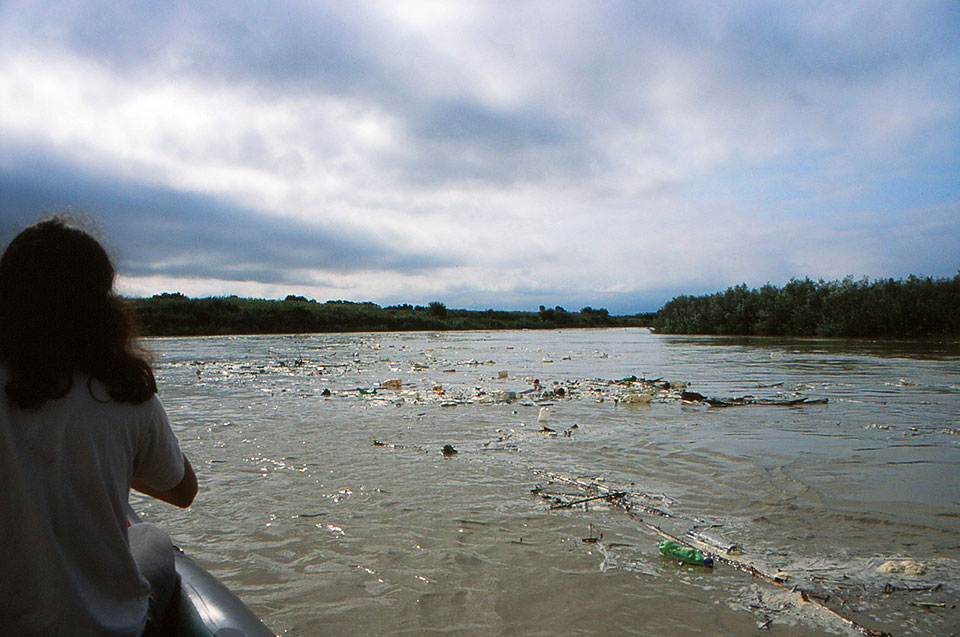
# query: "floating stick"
[622,501]
[604,496]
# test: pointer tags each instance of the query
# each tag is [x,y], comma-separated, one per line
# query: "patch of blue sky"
[790,183]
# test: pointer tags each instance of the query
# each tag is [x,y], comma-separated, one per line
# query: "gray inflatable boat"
[204,606]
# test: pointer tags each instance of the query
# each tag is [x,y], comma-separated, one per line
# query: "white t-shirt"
[65,474]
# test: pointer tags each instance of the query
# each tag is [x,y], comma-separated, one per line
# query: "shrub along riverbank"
[178,315]
[910,308]
[916,307]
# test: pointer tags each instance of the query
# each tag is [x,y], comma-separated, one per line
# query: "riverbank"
[915,307]
[178,315]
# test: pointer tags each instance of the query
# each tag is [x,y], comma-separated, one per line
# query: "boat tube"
[204,606]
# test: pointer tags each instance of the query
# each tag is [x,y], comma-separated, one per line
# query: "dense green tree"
[176,315]
[914,307]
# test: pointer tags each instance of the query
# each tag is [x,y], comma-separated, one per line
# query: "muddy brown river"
[327,504]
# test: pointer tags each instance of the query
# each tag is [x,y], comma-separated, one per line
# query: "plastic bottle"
[686,554]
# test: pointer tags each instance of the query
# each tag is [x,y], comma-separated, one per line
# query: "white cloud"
[598,150]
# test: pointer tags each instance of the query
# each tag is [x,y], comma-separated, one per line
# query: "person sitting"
[80,424]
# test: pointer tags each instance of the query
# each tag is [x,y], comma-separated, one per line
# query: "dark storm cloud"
[161,231]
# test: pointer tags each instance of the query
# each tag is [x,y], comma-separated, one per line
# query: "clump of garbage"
[629,391]
[908,567]
[466,382]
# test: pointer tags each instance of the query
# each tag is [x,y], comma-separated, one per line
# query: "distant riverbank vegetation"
[177,315]
[915,307]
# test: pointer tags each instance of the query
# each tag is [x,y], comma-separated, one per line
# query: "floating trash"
[908,567]
[543,417]
[685,554]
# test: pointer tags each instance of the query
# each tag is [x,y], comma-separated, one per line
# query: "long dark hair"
[59,315]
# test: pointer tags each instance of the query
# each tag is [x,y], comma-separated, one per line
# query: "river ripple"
[324,532]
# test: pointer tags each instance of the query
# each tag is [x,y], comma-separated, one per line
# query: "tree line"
[173,314]
[885,308]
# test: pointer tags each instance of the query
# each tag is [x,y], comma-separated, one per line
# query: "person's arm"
[181,495]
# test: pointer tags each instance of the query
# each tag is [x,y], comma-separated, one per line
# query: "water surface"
[322,531]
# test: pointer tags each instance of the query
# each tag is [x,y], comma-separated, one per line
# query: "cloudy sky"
[488,154]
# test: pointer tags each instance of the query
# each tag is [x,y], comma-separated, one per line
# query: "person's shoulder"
[153,410]
[91,388]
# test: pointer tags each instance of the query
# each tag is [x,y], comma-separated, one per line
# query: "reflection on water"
[324,532]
